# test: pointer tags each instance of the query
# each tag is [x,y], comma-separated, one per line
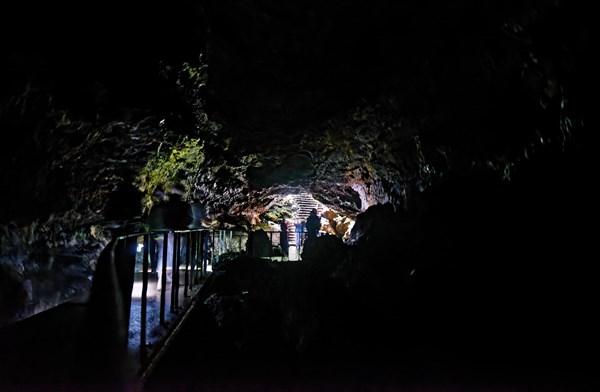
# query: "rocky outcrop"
[244,102]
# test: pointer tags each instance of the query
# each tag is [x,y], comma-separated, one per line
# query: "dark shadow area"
[487,285]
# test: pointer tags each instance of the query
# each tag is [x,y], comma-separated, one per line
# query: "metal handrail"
[194,262]
[193,249]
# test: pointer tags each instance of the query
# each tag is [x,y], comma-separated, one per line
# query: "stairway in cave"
[305,203]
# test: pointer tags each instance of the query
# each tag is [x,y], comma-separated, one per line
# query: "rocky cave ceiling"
[472,118]
[357,103]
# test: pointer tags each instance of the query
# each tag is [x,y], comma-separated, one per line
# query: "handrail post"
[174,262]
[202,238]
[186,283]
[202,249]
[193,255]
[163,283]
[144,298]
[213,244]
[175,277]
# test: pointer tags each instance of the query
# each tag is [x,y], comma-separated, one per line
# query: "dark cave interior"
[458,134]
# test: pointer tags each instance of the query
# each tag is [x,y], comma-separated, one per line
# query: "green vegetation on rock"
[165,169]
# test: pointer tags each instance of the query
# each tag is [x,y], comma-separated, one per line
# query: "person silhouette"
[313,224]
[299,232]
[283,239]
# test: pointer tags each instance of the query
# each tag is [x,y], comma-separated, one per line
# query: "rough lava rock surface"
[471,119]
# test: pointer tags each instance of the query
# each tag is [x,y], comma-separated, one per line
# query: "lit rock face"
[358,104]
[388,98]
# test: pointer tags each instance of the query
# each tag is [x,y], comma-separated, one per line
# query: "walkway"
[40,353]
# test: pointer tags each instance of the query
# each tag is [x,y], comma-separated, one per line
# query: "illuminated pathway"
[40,353]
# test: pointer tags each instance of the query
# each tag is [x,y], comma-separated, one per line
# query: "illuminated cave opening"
[295,208]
